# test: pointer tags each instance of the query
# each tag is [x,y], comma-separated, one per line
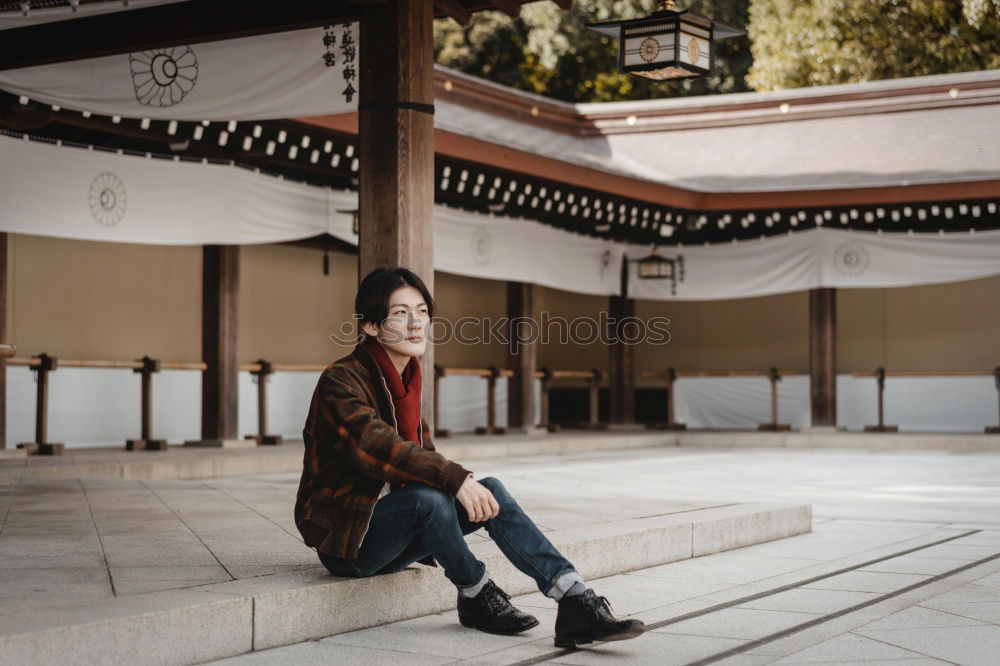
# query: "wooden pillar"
[823,356]
[396,151]
[522,356]
[219,345]
[621,375]
[3,340]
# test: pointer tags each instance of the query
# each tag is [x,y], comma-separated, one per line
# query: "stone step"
[213,621]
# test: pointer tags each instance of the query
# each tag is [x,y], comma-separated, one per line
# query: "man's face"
[404,330]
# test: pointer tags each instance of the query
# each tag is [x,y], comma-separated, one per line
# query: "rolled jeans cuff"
[563,583]
[472,590]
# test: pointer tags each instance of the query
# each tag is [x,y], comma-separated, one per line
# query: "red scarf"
[403,390]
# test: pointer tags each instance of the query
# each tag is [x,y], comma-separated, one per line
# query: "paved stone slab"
[225,539]
[919,617]
[318,653]
[916,564]
[442,635]
[173,627]
[866,581]
[919,498]
[852,648]
[811,601]
[742,623]
[970,645]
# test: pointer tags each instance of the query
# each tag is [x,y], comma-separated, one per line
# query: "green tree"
[551,52]
[797,43]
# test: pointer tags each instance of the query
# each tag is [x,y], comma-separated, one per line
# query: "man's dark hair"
[372,302]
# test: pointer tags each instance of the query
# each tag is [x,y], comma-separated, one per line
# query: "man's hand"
[478,501]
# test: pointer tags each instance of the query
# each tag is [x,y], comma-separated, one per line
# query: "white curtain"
[310,72]
[53,190]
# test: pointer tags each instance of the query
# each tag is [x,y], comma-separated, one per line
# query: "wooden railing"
[881,373]
[773,376]
[261,369]
[593,379]
[492,374]
[43,364]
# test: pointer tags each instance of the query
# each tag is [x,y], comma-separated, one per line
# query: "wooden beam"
[823,355]
[454,10]
[190,22]
[621,371]
[220,342]
[3,339]
[396,147]
[522,356]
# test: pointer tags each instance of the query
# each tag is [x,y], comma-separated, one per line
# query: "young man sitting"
[375,496]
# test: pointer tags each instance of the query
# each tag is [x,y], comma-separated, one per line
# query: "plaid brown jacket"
[352,449]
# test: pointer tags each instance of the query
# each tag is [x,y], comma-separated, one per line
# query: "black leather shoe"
[492,612]
[585,618]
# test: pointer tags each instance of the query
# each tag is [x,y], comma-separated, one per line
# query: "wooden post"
[396,145]
[881,427]
[774,377]
[439,372]
[40,446]
[671,377]
[260,376]
[146,441]
[594,386]
[3,339]
[220,346]
[544,416]
[621,374]
[823,356]
[522,356]
[491,405]
[996,380]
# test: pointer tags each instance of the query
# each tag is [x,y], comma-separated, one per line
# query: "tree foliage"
[551,52]
[797,43]
[791,43]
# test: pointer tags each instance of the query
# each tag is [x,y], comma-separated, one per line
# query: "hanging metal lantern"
[667,44]
[654,267]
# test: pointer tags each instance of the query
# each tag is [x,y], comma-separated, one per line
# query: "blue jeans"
[416,520]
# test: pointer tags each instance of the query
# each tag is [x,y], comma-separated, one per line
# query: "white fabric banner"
[51,190]
[67,192]
[309,72]
[824,258]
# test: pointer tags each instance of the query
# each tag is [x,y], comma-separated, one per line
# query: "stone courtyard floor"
[902,567]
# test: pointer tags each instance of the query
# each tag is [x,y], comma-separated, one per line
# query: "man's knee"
[433,502]
[499,491]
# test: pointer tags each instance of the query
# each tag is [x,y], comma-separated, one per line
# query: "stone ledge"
[225,619]
[181,462]
[902,441]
